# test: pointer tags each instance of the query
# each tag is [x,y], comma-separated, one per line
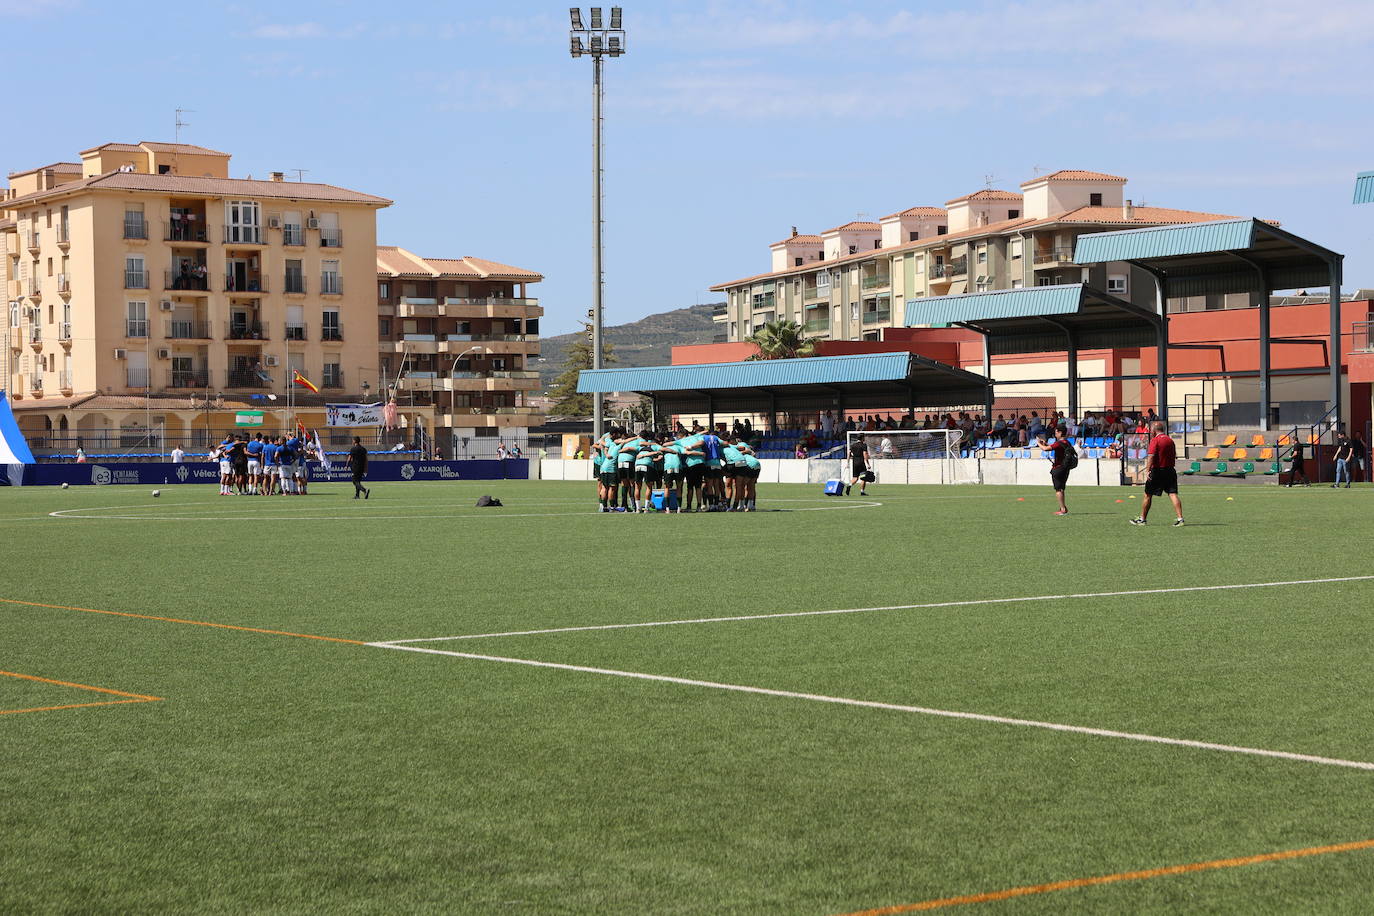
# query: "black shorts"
[673,479]
[609,479]
[1059,478]
[625,472]
[644,475]
[715,473]
[1161,481]
[695,474]
[241,467]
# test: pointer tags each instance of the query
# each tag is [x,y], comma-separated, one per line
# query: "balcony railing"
[195,278]
[331,332]
[331,238]
[135,279]
[136,327]
[295,283]
[64,331]
[188,378]
[245,378]
[36,334]
[818,324]
[64,235]
[292,236]
[245,330]
[243,235]
[331,285]
[135,228]
[34,244]
[188,330]
[507,338]
[295,331]
[35,288]
[765,301]
[64,283]
[1054,256]
[64,379]
[959,266]
[878,316]
[720,311]
[489,300]
[136,378]
[1362,333]
[186,230]
[332,379]
[520,411]
[939,271]
[36,382]
[815,292]
[253,284]
[877,282]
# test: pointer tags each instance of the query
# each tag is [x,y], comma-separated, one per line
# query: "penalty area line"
[890,607]
[895,707]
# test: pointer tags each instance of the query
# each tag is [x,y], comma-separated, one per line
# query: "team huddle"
[648,472]
[262,466]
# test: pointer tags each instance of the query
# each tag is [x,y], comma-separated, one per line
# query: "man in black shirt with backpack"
[1064,458]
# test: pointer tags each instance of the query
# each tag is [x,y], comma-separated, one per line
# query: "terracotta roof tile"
[855,226]
[117,147]
[397,262]
[65,168]
[918,211]
[218,187]
[797,238]
[1075,175]
[180,148]
[1142,216]
[987,194]
[394,261]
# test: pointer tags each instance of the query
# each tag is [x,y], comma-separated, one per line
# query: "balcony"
[331,333]
[36,337]
[491,308]
[334,379]
[940,272]
[244,378]
[64,286]
[412,307]
[136,378]
[512,344]
[331,238]
[36,383]
[415,343]
[765,301]
[815,292]
[295,285]
[64,236]
[880,281]
[245,330]
[34,244]
[135,279]
[487,417]
[1053,257]
[35,288]
[959,267]
[188,378]
[512,380]
[136,327]
[246,286]
[1362,337]
[64,333]
[292,236]
[719,312]
[135,229]
[294,332]
[331,285]
[196,279]
[64,379]
[243,235]
[192,231]
[879,316]
[188,330]
[817,326]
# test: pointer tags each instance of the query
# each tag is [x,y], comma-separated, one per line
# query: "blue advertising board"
[167,474]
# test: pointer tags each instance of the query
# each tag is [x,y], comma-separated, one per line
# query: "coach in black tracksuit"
[357,461]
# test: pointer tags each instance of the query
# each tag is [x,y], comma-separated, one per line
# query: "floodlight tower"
[598,42]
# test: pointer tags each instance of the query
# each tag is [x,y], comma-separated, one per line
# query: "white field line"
[895,707]
[397,643]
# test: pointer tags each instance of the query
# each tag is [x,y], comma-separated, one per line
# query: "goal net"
[942,445]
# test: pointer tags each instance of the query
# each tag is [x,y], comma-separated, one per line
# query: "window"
[912,236]
[982,254]
[245,222]
[941,230]
[796,262]
[383,290]
[333,375]
[1116,284]
[1013,214]
[877,243]
[1094,200]
[291,231]
[134,225]
[164,169]
[330,329]
[1042,281]
[14,314]
[330,236]
[982,287]
[295,277]
[853,249]
[295,362]
[136,323]
[330,284]
[1017,284]
[384,327]
[135,277]
[1015,249]
[853,311]
[295,322]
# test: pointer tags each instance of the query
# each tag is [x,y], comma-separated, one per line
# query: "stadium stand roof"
[853,382]
[1364,188]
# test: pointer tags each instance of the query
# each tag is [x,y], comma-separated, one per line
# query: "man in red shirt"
[1163,478]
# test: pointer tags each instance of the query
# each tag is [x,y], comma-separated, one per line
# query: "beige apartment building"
[145,280]
[458,340]
[850,282]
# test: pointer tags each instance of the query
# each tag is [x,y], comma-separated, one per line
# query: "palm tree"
[781,339]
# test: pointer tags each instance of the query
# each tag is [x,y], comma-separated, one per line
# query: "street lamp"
[596,42]
[366,389]
[458,358]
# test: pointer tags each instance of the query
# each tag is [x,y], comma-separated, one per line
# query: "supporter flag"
[319,452]
[298,379]
[248,418]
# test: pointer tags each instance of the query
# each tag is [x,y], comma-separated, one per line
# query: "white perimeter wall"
[1030,472]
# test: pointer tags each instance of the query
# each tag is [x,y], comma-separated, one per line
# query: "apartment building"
[851,281]
[145,275]
[458,340]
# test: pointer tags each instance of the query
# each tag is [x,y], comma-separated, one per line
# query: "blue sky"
[726,123]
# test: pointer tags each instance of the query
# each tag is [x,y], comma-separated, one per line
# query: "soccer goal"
[920,444]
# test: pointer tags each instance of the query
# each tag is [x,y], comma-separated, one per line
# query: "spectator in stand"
[800,451]
[80,455]
[1035,427]
[909,421]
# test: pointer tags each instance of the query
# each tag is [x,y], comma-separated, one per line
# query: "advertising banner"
[353,414]
[166,473]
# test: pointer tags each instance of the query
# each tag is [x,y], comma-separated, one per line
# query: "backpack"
[1070,456]
[487,501]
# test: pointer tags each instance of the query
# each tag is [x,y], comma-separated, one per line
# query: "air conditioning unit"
[271,362]
[121,353]
[167,305]
[312,223]
[274,222]
[164,353]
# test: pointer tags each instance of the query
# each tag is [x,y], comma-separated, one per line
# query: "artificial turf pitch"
[268,772]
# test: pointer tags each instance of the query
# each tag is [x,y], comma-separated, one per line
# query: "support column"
[711,412]
[1073,375]
[1335,303]
[1265,392]
[988,393]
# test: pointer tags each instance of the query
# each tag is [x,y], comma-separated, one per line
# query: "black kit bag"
[486,501]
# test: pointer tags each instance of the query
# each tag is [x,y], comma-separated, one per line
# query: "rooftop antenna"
[988,181]
[1037,169]
[300,173]
[176,151]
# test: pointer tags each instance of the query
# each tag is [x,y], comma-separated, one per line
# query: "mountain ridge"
[646,342]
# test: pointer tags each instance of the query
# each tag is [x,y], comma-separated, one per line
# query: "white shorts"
[225,467]
[254,466]
[284,471]
[302,471]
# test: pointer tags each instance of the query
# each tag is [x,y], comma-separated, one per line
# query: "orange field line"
[1111,879]
[194,623]
[8,712]
[131,697]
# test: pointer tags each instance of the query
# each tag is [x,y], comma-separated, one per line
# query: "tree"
[566,399]
[782,339]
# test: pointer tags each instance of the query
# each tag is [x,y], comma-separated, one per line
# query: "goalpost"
[919,444]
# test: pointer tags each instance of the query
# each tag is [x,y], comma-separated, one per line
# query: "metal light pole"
[597,42]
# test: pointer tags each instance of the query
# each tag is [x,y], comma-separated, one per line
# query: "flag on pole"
[319,452]
[248,418]
[298,379]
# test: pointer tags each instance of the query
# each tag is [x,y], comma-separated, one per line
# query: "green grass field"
[275,773]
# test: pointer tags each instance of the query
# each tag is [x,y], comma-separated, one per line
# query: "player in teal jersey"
[610,482]
[732,467]
[694,461]
[648,461]
[751,482]
[625,469]
[673,472]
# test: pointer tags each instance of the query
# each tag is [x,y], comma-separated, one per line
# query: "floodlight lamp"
[575,14]
[576,48]
[596,44]
[596,17]
[615,17]
[614,44]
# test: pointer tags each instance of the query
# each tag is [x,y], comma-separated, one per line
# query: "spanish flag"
[298,379]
